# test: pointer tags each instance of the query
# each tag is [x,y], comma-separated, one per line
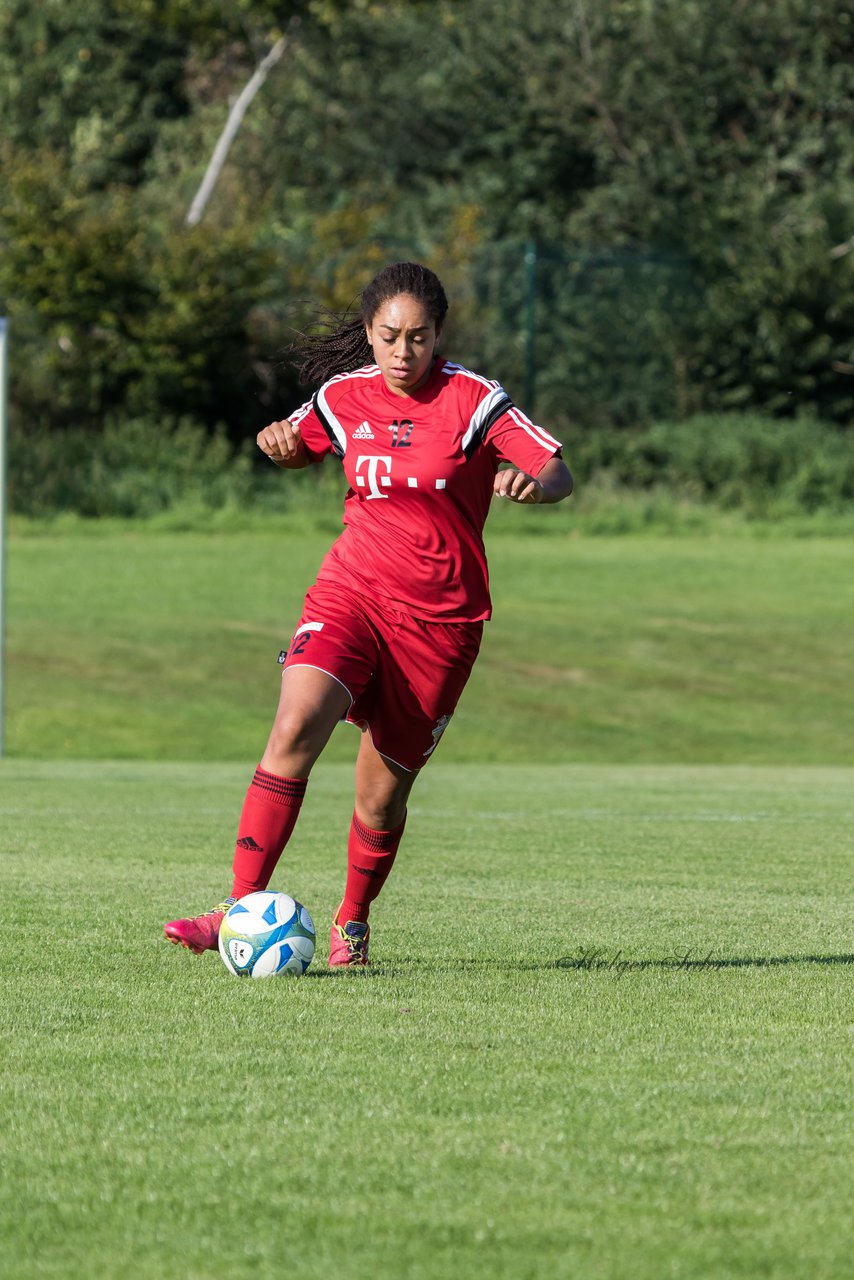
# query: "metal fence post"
[4,337]
[530,324]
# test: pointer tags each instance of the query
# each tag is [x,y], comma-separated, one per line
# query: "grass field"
[707,648]
[607,1028]
[607,1032]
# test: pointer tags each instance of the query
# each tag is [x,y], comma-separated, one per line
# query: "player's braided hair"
[336,343]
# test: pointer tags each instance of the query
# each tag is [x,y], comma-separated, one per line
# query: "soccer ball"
[265,934]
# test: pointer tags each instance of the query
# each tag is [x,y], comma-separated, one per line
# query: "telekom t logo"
[373,480]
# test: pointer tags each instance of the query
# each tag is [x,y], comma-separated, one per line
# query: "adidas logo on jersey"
[363,432]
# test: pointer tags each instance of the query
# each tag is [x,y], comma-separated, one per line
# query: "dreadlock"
[336,343]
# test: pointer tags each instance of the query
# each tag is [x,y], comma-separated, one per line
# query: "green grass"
[606,1034]
[607,1028]
[140,642]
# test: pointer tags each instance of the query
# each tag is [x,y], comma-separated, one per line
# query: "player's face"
[403,338]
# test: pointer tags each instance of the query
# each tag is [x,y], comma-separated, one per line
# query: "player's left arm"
[552,483]
[537,472]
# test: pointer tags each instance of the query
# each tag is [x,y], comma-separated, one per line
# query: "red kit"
[397,612]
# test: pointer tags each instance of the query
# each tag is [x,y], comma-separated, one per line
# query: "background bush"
[642,211]
[133,468]
[762,466]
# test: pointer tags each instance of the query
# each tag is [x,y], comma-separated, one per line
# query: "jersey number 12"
[400,433]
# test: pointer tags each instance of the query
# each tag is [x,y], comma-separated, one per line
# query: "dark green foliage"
[763,466]
[110,312]
[601,338]
[683,171]
[133,468]
[719,136]
[89,82]
[140,466]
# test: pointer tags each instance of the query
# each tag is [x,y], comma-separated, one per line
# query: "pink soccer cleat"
[199,933]
[348,944]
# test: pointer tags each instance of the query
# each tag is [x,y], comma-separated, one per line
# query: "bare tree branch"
[232,124]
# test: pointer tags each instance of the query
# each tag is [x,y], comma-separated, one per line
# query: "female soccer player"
[391,628]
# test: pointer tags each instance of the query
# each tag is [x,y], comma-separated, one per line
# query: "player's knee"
[295,736]
[380,811]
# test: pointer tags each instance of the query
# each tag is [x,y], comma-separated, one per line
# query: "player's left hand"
[517,486]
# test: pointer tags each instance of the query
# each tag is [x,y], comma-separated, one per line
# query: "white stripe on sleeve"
[297,416]
[485,407]
[337,429]
[542,437]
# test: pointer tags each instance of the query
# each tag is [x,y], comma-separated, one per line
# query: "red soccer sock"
[269,815]
[370,858]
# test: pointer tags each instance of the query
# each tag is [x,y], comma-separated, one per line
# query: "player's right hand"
[281,442]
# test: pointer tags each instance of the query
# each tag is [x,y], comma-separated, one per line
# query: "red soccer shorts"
[404,676]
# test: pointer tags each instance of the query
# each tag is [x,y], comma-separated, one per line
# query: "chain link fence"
[596,338]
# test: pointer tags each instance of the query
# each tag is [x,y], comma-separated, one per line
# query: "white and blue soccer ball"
[266,934]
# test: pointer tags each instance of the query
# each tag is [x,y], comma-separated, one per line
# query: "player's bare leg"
[310,705]
[382,790]
[382,787]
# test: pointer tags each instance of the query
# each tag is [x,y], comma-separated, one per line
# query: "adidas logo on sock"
[363,432]
[248,843]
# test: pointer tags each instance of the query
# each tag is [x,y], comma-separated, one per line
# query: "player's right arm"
[283,444]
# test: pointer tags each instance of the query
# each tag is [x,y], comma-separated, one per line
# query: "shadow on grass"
[342,972]
[592,961]
[689,961]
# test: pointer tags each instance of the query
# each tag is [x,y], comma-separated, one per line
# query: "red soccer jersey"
[421,469]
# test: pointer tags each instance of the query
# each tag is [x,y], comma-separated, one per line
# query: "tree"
[89,84]
[685,172]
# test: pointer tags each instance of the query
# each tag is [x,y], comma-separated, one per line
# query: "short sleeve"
[514,438]
[314,437]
